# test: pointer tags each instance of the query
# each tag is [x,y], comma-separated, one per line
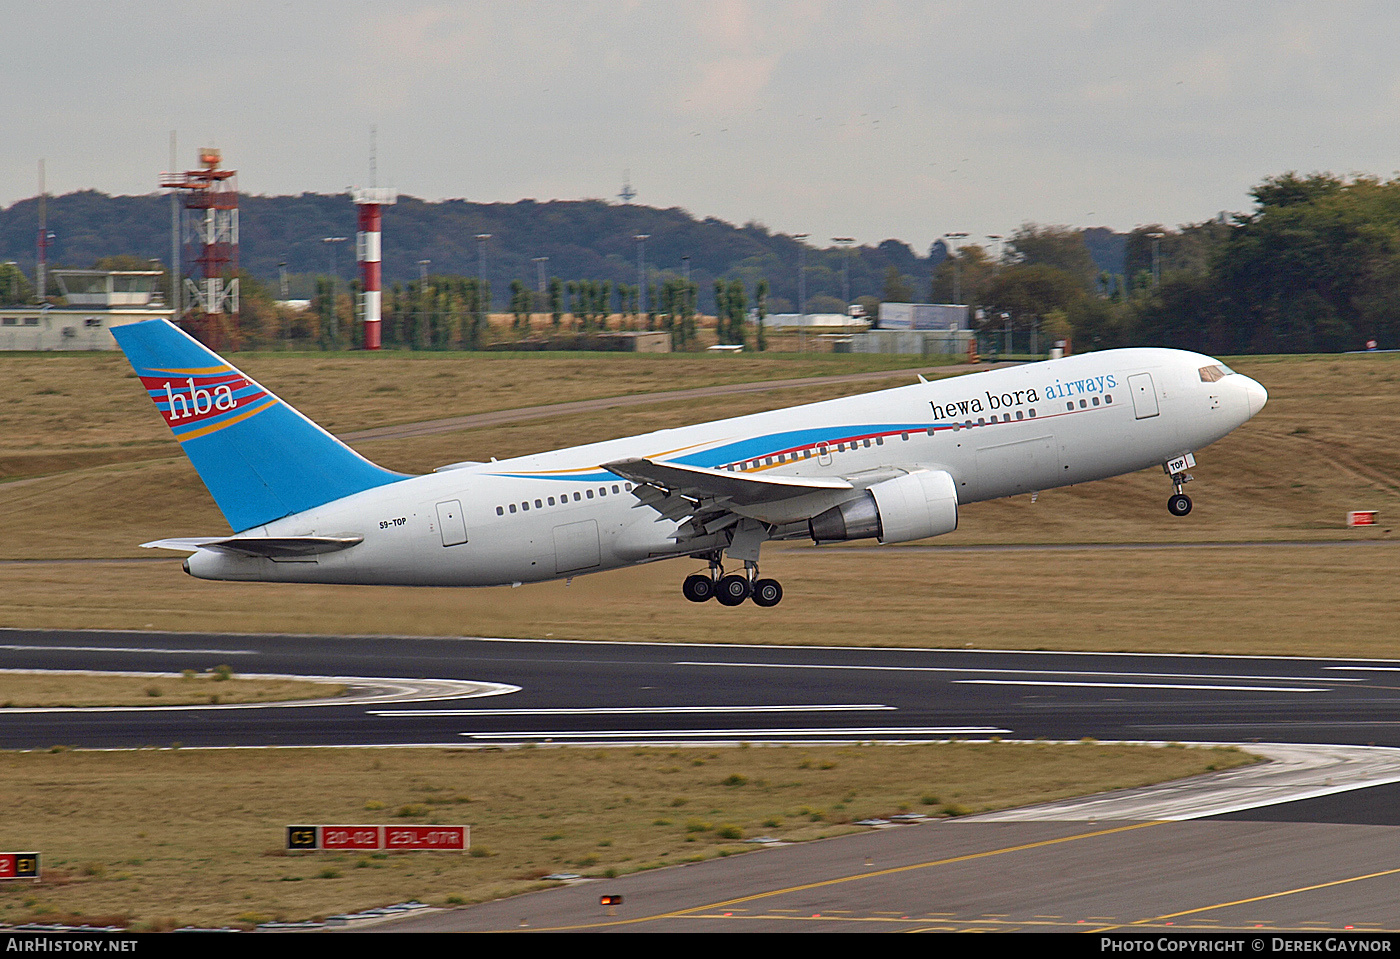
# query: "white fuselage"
[555,514]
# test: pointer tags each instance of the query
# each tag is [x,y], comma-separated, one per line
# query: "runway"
[616,693]
[1306,844]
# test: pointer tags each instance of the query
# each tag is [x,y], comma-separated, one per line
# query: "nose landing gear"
[1179,504]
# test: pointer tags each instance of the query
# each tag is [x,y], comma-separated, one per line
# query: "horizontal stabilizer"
[272,547]
[742,489]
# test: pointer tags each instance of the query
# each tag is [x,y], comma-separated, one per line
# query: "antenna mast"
[41,281]
[211,208]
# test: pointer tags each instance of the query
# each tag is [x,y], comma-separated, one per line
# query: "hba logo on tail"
[196,401]
[196,396]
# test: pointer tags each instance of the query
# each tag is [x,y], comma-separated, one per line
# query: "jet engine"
[914,506]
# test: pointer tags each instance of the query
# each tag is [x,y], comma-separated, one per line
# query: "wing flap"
[740,489]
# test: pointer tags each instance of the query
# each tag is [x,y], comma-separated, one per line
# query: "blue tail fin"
[260,459]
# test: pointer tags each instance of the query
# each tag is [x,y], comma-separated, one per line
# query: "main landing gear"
[733,589]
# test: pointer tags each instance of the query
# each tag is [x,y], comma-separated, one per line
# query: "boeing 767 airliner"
[893,466]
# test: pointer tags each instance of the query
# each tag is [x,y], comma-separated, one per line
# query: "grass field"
[97,483]
[158,839]
[62,411]
[217,687]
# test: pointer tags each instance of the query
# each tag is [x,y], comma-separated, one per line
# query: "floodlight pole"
[1156,258]
[641,239]
[957,266]
[845,241]
[481,239]
[801,239]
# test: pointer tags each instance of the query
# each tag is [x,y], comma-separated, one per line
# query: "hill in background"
[583,239]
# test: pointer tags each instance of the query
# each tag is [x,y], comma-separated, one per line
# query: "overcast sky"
[869,118]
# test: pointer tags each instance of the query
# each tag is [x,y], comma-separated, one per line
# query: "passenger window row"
[1004,418]
[841,447]
[546,501]
[1084,404]
[822,450]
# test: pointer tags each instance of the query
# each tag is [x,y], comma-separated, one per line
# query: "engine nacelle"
[915,506]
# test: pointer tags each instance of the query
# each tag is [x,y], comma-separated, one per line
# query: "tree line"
[451,312]
[1313,267]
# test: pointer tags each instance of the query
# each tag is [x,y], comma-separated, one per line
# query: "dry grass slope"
[157,839]
[1327,442]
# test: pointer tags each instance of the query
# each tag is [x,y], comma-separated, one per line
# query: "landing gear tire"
[733,590]
[1179,505]
[698,588]
[767,592]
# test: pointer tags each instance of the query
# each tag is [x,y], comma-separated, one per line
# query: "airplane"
[892,466]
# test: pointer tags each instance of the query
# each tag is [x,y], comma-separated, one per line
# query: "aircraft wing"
[705,501]
[740,489]
[272,547]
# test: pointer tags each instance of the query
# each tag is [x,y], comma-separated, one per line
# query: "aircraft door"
[1144,395]
[576,546]
[1025,466]
[451,523]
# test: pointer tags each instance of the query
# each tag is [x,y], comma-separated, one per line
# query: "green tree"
[391,332]
[760,302]
[15,289]
[477,300]
[556,301]
[679,298]
[420,315]
[722,311]
[1027,295]
[897,289]
[1190,249]
[520,301]
[573,304]
[324,306]
[260,319]
[962,276]
[1055,246]
[1314,267]
[736,305]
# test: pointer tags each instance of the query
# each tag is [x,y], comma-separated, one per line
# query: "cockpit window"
[1213,374]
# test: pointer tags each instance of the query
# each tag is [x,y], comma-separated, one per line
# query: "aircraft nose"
[1255,393]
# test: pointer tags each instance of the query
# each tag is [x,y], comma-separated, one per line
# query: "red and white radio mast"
[367,248]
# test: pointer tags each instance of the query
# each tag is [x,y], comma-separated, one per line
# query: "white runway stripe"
[844,732]
[1031,672]
[1213,688]
[127,649]
[634,710]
